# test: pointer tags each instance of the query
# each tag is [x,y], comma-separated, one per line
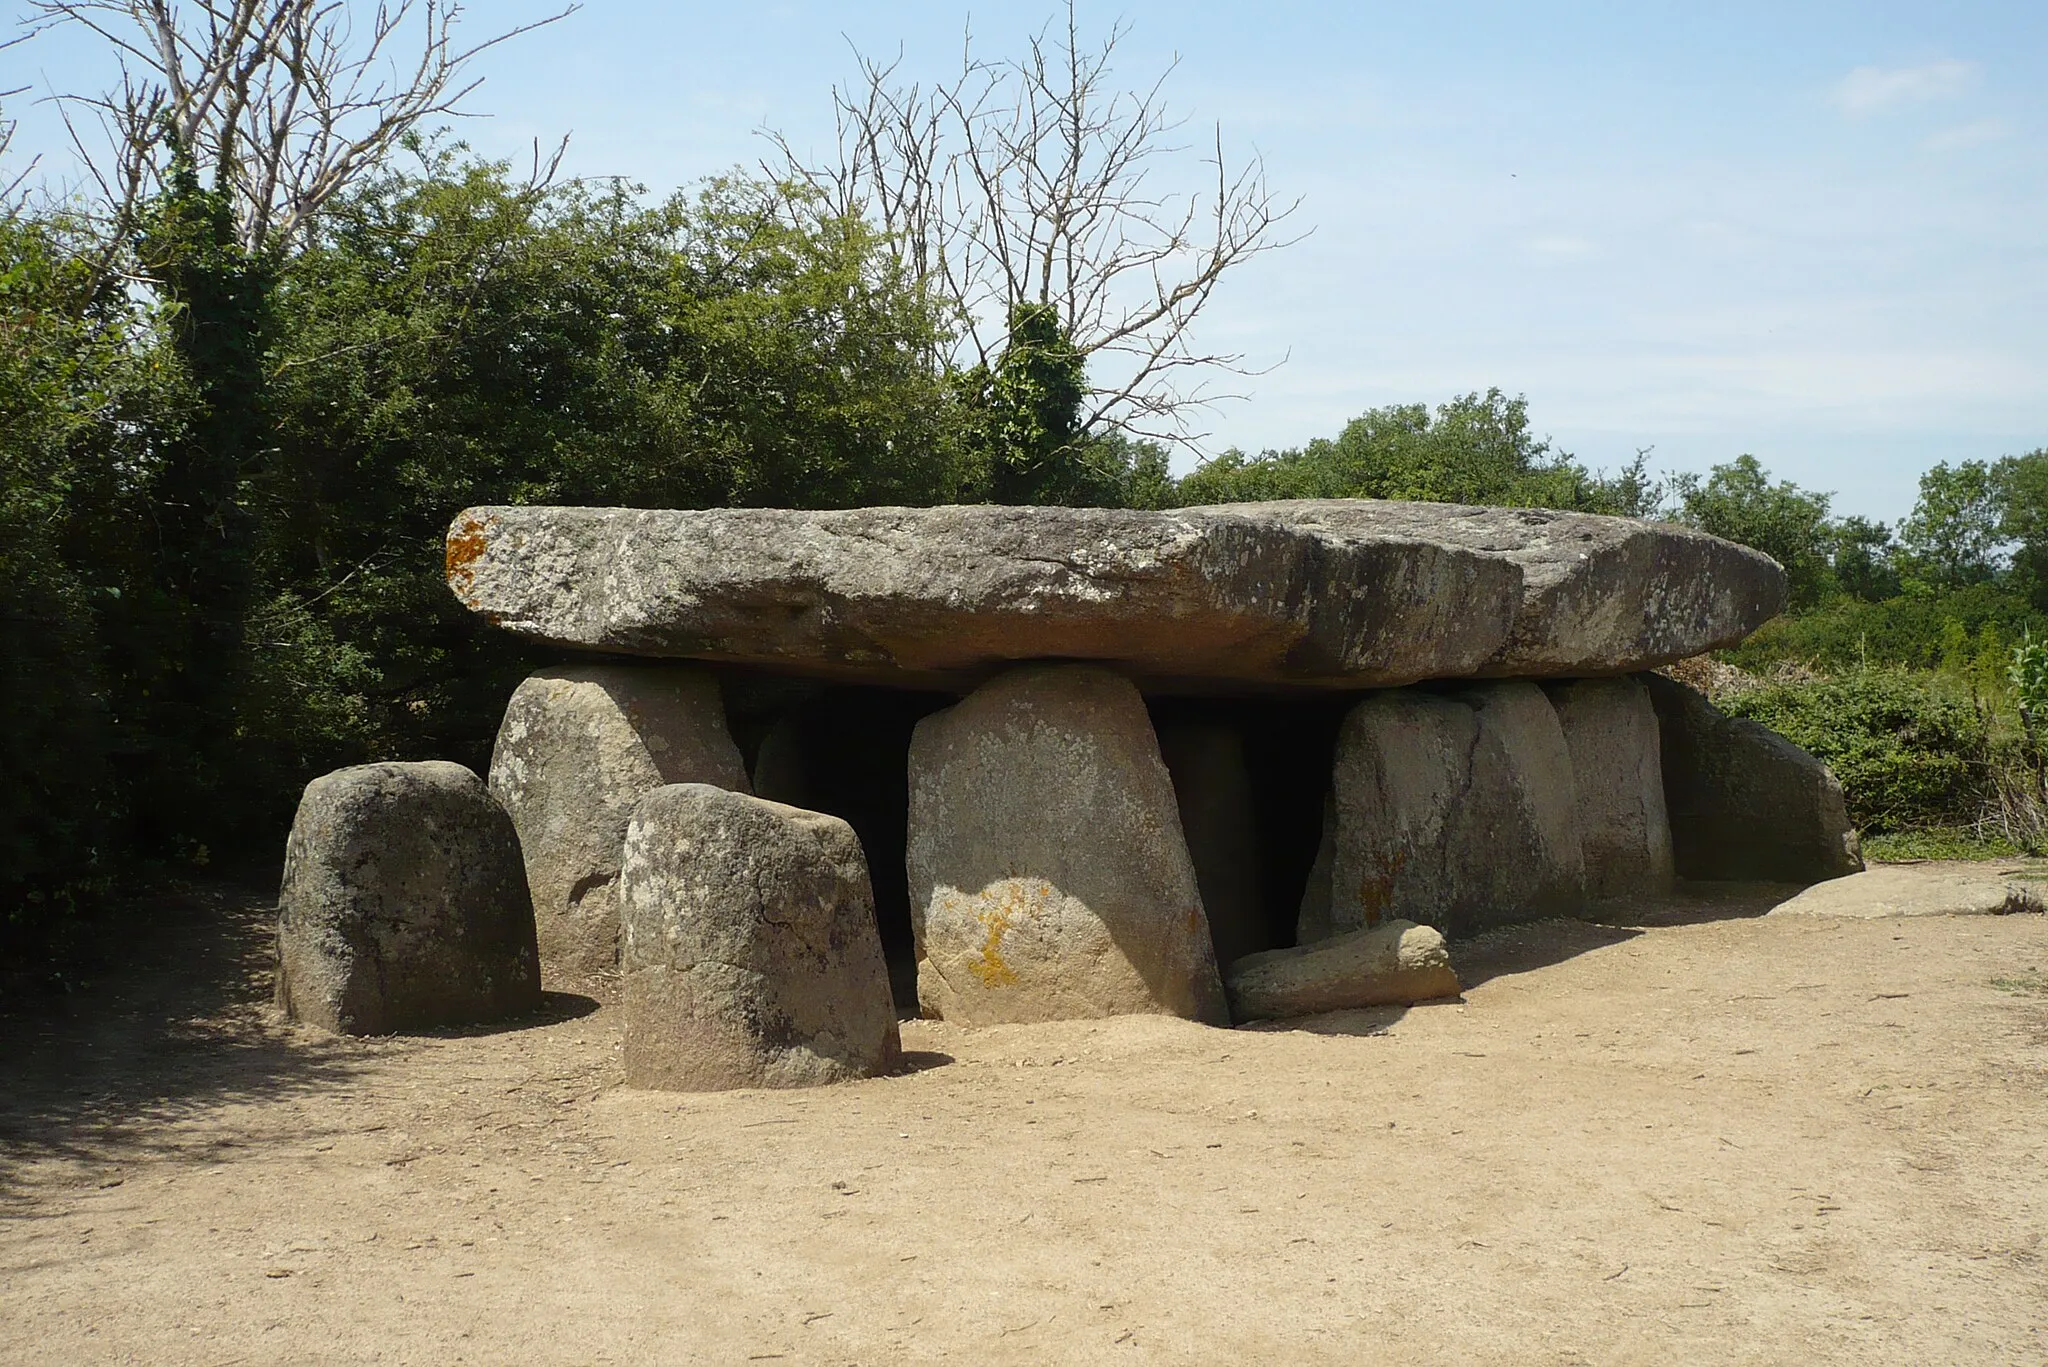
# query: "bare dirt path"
[1726,1140]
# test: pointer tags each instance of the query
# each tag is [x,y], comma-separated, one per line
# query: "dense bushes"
[1911,749]
[81,383]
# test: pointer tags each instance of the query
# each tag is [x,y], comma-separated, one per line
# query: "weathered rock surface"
[1456,812]
[1745,802]
[1049,879]
[1212,787]
[749,956]
[1595,593]
[1885,892]
[1341,593]
[404,906]
[578,747]
[1618,774]
[1394,962]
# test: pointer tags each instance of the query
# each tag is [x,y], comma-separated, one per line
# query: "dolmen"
[1226,763]
[797,773]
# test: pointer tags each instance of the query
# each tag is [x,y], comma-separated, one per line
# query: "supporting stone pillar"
[577,749]
[749,956]
[403,906]
[1049,879]
[1610,729]
[1744,801]
[1456,812]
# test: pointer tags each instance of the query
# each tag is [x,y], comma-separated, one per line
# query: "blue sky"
[1816,233]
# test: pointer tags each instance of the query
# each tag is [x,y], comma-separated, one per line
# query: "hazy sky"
[1817,233]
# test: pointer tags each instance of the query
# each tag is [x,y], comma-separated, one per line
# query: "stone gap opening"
[844,750]
[1251,776]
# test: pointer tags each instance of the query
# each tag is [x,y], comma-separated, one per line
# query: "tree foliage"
[1477,448]
[1738,501]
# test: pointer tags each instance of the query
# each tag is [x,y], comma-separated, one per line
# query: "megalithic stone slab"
[1395,962]
[1456,812]
[1049,879]
[404,906]
[749,955]
[578,747]
[1596,592]
[1744,801]
[1337,594]
[1618,772]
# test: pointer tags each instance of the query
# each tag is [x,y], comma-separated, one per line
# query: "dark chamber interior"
[845,749]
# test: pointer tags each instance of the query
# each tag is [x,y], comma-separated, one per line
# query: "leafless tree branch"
[1041,180]
[279,103]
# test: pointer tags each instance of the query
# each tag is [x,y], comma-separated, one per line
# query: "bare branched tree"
[279,103]
[11,182]
[1041,181]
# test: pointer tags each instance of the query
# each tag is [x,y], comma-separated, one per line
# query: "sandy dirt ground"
[1702,1138]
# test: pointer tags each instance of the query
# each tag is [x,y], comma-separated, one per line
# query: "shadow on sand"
[1525,948]
[177,1023]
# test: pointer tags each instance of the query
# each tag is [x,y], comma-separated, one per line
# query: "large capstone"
[749,956]
[578,747]
[1610,728]
[404,906]
[1325,594]
[1452,811]
[1049,878]
[1744,801]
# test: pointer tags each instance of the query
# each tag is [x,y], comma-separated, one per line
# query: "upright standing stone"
[578,747]
[1744,801]
[1618,772]
[1453,812]
[749,955]
[1212,786]
[404,906]
[1049,879]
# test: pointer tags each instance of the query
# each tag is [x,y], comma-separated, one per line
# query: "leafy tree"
[455,335]
[1474,449]
[1863,559]
[84,386]
[1954,534]
[1738,501]
[2023,488]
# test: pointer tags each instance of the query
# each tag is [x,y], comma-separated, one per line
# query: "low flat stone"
[1396,962]
[1337,594]
[1914,891]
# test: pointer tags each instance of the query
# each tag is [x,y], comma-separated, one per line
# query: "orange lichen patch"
[468,539]
[1376,889]
[995,918]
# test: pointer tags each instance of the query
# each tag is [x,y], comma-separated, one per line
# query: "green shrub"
[1938,842]
[1968,631]
[1912,750]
